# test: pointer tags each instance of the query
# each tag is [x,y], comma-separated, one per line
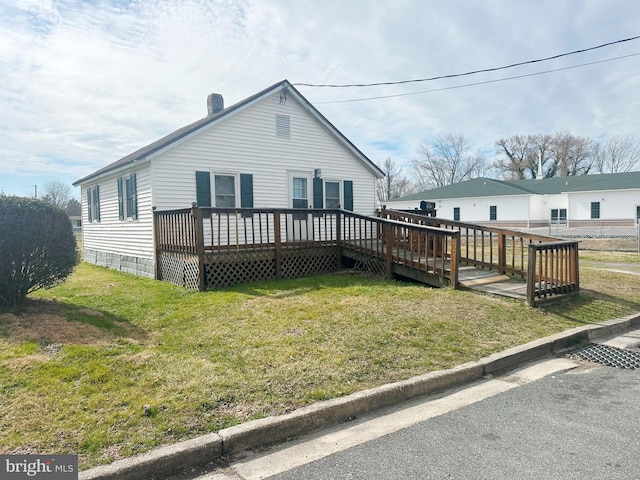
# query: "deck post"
[454,260]
[387,229]
[277,234]
[575,262]
[156,241]
[502,252]
[339,239]
[199,230]
[531,275]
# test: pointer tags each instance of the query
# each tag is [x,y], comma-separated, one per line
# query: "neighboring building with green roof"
[612,198]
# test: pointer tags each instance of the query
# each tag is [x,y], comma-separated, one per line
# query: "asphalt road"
[583,423]
[554,419]
[557,417]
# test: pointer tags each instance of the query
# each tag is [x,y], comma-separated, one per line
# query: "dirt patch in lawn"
[43,322]
[50,329]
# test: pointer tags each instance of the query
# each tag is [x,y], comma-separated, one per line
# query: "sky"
[84,83]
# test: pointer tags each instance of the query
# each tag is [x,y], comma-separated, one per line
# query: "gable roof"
[489,187]
[181,133]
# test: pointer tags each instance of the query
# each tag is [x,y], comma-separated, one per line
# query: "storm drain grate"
[606,355]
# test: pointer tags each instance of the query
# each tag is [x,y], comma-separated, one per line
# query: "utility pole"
[35,191]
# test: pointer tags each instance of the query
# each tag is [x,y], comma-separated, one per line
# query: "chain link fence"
[597,236]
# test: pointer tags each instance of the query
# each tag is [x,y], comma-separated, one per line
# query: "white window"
[93,203]
[128,197]
[300,197]
[225,190]
[332,195]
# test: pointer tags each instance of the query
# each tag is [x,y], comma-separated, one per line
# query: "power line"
[467,73]
[478,83]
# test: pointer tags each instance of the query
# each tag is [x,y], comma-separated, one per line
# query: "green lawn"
[79,364]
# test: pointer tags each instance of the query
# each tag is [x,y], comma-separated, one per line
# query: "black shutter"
[96,201]
[134,196]
[246,190]
[89,205]
[348,195]
[318,198]
[120,199]
[203,189]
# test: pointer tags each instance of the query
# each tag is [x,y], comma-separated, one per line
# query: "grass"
[109,365]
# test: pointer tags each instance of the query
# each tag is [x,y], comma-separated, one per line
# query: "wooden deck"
[206,248]
[491,282]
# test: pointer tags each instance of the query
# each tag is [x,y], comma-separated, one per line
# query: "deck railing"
[408,249]
[175,231]
[210,233]
[549,266]
[553,270]
[426,248]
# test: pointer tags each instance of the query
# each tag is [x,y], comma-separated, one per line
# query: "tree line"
[449,159]
[59,194]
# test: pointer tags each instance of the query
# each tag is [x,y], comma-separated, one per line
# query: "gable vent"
[283,127]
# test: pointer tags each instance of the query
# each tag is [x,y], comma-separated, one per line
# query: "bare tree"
[517,157]
[572,155]
[446,160]
[73,207]
[56,193]
[394,184]
[619,154]
[560,154]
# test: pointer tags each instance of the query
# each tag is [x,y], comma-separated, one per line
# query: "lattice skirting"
[232,269]
[373,265]
[180,269]
[299,263]
[366,262]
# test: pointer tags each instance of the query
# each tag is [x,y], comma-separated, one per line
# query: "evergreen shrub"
[37,248]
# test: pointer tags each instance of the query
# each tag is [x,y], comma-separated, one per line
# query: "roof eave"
[149,151]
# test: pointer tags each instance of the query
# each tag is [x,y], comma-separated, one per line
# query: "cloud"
[85,83]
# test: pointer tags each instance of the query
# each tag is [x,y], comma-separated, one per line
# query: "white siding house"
[612,199]
[263,152]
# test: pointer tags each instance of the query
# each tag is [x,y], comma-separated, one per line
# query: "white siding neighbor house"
[604,199]
[271,150]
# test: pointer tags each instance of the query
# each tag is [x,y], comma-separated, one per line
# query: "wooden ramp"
[492,282]
[412,265]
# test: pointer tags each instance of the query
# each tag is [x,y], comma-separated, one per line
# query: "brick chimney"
[215,104]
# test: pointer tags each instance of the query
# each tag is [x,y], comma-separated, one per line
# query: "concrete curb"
[166,461]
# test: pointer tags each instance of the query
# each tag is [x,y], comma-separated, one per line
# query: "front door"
[558,216]
[299,225]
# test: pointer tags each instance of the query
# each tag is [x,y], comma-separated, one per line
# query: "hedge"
[37,248]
